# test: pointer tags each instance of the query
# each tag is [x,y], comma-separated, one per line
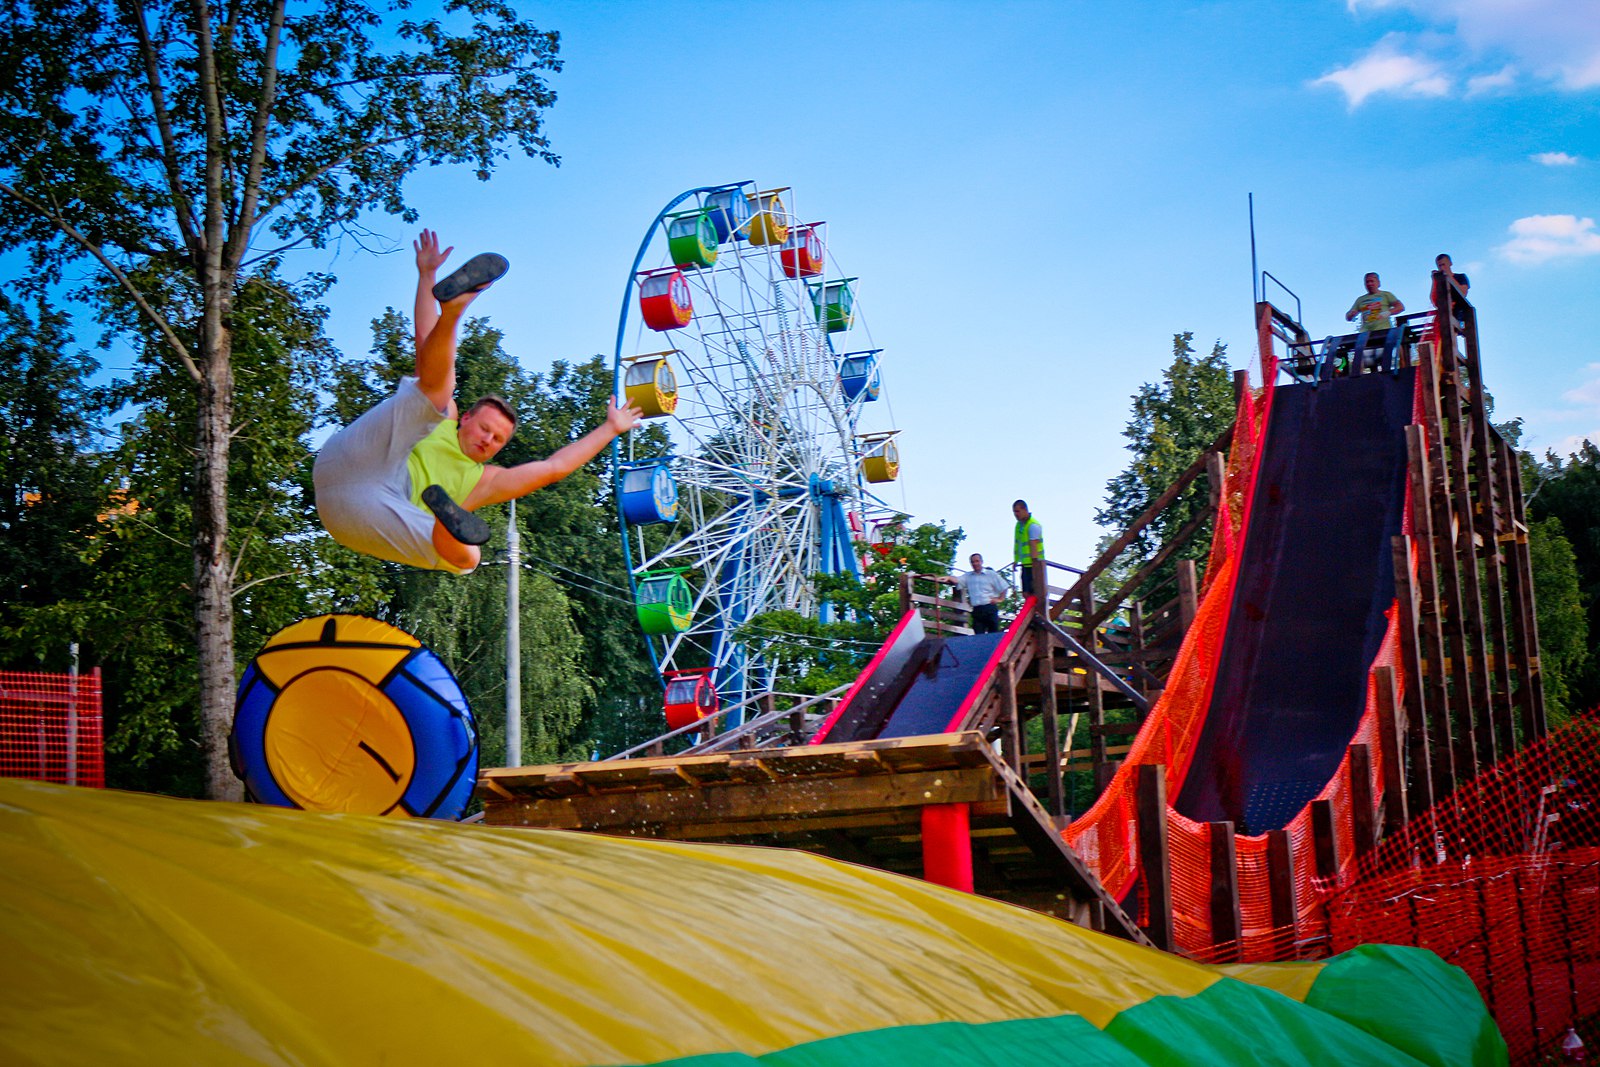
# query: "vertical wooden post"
[1437,704]
[947,845]
[1280,881]
[1011,718]
[1155,861]
[905,594]
[1054,787]
[1227,918]
[1474,669]
[1534,725]
[1188,595]
[1391,733]
[1325,838]
[1361,806]
[1097,705]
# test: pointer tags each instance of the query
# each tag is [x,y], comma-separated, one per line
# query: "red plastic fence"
[1502,878]
[51,728]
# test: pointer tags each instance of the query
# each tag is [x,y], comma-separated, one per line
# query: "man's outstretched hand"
[429,258]
[623,419]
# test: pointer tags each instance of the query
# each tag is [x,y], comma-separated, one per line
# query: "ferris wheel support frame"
[831,536]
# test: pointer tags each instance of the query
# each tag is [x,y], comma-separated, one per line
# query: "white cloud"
[1539,238]
[1504,78]
[1385,69]
[1554,159]
[1586,395]
[1554,40]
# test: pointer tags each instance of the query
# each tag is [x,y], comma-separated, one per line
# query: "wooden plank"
[1324,839]
[1413,740]
[1227,917]
[1155,860]
[1391,745]
[1474,668]
[1280,880]
[1361,807]
[1188,594]
[1525,621]
[732,803]
[1116,548]
[1177,541]
[1438,719]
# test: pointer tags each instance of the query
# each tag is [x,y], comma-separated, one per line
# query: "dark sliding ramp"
[1315,580]
[918,692]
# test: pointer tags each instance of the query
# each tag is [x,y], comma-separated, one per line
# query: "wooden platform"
[860,802]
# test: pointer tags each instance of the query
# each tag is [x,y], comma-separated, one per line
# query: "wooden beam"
[1325,839]
[1177,541]
[1280,881]
[1361,806]
[1391,745]
[1127,537]
[1413,718]
[1437,705]
[1227,918]
[1530,703]
[1155,861]
[1188,594]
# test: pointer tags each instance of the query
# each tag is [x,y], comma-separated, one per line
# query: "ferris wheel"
[742,340]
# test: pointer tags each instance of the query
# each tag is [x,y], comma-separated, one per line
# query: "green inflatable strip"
[1414,1001]
[1061,1039]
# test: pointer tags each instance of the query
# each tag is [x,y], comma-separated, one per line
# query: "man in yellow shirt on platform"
[378,479]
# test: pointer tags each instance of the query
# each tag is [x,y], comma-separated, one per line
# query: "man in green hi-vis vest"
[378,479]
[1029,544]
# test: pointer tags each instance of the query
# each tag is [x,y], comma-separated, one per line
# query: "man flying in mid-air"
[378,479]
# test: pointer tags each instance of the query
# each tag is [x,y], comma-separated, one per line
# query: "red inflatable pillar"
[947,846]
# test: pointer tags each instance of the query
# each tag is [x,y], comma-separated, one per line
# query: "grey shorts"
[364,488]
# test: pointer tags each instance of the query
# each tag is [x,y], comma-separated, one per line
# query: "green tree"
[1173,422]
[56,487]
[1567,491]
[206,138]
[816,656]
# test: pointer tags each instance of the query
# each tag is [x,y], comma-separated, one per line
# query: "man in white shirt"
[984,589]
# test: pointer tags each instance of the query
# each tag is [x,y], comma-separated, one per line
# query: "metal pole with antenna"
[513,640]
[1255,276]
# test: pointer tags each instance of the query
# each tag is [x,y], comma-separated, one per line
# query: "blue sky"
[1037,196]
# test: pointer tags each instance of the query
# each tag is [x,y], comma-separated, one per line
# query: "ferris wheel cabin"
[648,492]
[692,239]
[664,299]
[664,603]
[769,223]
[651,385]
[730,212]
[691,695]
[834,304]
[880,457]
[858,375]
[802,253]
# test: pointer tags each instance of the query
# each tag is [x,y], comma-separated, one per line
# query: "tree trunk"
[213,574]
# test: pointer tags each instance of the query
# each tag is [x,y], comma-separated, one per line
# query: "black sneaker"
[479,272]
[458,522]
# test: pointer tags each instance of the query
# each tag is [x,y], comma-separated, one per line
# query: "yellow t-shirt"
[437,459]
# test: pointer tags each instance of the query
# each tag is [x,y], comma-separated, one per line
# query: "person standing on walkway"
[1029,544]
[984,590]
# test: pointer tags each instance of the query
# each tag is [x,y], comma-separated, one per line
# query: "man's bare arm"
[500,484]
[424,309]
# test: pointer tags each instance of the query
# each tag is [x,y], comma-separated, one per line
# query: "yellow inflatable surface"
[139,929]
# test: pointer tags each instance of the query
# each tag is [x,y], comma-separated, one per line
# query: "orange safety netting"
[1106,836]
[50,728]
[1502,879]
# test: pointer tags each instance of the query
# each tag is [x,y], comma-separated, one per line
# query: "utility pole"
[513,641]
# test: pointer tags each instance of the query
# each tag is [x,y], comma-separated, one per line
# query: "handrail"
[1100,668]
[696,726]
[721,741]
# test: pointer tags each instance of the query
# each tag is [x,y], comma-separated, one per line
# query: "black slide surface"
[917,692]
[1308,612]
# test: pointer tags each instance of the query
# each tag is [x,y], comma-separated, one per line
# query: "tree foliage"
[816,656]
[1172,424]
[1564,540]
[146,138]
